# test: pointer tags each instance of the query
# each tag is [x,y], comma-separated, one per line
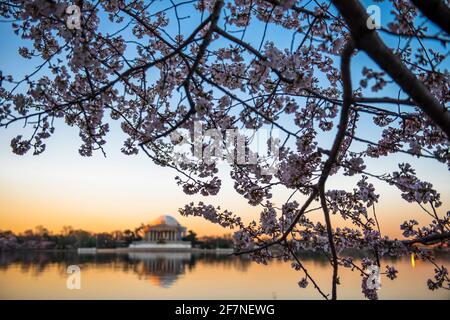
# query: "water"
[43,275]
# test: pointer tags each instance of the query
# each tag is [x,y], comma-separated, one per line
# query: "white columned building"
[163,233]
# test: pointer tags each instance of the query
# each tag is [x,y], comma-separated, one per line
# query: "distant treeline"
[70,238]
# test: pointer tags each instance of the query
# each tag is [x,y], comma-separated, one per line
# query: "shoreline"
[437,251]
[128,250]
[119,250]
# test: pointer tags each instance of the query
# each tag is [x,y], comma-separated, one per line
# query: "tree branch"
[356,18]
[435,10]
[428,240]
[207,39]
[340,135]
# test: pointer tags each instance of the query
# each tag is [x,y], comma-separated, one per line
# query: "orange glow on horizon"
[60,188]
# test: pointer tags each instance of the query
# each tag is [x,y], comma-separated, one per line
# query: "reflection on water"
[146,275]
[162,269]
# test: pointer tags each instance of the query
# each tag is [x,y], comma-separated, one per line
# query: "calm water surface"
[43,275]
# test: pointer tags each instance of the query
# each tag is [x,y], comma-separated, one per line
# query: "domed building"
[164,229]
[163,233]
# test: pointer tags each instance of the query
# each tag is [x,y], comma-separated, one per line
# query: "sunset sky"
[60,187]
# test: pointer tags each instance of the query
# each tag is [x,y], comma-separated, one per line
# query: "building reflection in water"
[187,275]
[162,269]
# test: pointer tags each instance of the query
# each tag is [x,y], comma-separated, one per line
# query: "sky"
[59,187]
